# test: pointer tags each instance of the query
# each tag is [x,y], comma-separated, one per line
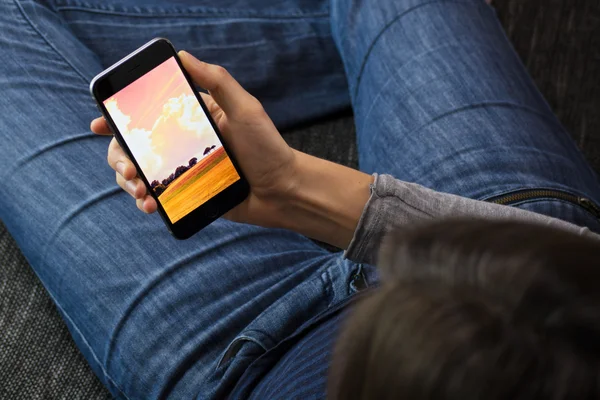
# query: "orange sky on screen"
[161,121]
[145,97]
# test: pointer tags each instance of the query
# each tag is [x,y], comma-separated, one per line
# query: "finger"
[213,108]
[211,104]
[225,90]
[135,187]
[149,206]
[146,204]
[119,161]
[100,127]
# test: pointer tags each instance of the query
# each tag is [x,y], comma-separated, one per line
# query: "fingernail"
[144,207]
[185,54]
[120,167]
[131,187]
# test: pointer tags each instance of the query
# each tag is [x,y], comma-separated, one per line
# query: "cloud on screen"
[180,132]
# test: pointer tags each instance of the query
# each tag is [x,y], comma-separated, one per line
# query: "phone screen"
[172,140]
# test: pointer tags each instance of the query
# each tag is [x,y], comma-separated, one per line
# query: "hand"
[288,189]
[265,158]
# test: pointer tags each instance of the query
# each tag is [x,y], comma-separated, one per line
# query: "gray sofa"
[559,41]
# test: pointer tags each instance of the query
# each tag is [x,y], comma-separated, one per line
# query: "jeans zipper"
[534,194]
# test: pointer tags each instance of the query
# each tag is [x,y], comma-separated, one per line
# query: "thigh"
[442,100]
[152,315]
[282,52]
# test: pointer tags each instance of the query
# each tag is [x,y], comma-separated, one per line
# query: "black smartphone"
[160,120]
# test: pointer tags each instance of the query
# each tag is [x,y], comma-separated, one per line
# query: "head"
[476,310]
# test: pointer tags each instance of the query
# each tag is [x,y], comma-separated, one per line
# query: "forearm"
[326,200]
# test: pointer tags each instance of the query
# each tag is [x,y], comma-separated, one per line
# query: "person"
[448,122]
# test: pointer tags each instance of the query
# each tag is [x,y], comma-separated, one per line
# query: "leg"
[152,315]
[442,100]
[281,52]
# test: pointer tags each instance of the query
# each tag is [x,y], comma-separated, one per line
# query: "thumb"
[223,88]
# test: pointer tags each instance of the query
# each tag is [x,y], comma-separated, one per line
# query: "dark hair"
[476,310]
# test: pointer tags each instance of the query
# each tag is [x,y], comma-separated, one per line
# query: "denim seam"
[11,173]
[244,337]
[347,267]
[28,158]
[415,90]
[193,22]
[506,104]
[150,12]
[194,14]
[33,26]
[326,280]
[475,150]
[73,213]
[537,89]
[385,28]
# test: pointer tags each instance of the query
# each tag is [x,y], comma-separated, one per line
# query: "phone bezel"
[126,71]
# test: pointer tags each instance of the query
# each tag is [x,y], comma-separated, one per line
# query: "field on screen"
[208,177]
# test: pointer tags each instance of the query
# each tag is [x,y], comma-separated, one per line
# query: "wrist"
[323,200]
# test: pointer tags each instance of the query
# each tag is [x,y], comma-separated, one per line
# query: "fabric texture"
[72,7]
[153,316]
[38,357]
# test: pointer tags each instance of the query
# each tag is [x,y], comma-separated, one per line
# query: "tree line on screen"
[160,187]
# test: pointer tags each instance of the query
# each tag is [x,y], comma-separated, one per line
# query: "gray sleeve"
[395,204]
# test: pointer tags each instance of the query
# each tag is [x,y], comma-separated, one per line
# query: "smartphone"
[160,120]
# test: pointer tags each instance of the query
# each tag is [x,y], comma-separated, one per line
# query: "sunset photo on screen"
[172,140]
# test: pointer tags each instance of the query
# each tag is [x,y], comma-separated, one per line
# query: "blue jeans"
[439,98]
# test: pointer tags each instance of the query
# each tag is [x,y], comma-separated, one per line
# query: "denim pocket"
[294,311]
[279,320]
[246,338]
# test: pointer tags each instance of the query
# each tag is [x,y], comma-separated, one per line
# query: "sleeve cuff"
[361,247]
